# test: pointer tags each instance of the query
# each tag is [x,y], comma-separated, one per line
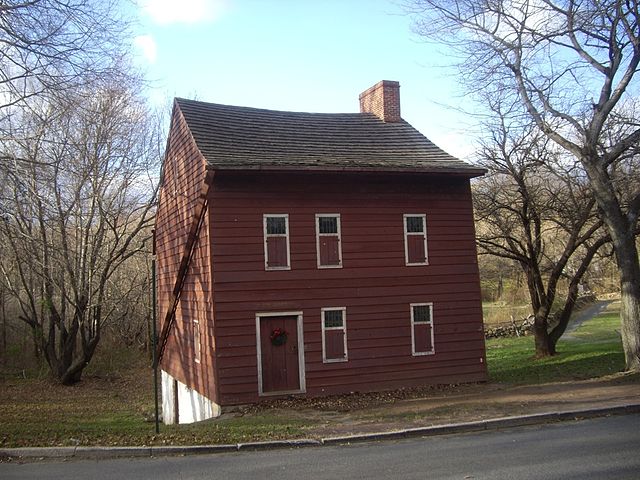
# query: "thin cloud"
[147,47]
[167,12]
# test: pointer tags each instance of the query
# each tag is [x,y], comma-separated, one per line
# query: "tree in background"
[49,47]
[573,67]
[78,205]
[76,147]
[534,207]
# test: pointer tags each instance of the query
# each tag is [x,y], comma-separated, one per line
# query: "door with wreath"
[279,358]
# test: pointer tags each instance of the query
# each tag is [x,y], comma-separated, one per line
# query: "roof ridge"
[204,104]
[231,136]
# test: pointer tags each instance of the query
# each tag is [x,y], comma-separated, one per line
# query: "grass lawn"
[593,350]
[113,405]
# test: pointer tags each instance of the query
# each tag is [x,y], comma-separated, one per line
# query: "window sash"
[334,338]
[415,242]
[328,244]
[422,331]
[277,253]
[414,223]
[333,319]
[276,225]
[422,314]
[328,224]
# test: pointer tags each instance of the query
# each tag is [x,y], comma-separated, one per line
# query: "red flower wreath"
[278,336]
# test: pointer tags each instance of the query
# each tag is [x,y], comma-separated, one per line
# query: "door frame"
[299,328]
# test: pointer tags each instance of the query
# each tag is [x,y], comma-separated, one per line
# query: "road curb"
[447,429]
[191,450]
[110,452]
[304,442]
[491,424]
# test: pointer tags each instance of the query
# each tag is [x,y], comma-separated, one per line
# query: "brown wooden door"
[280,366]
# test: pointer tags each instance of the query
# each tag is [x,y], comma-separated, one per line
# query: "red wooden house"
[311,253]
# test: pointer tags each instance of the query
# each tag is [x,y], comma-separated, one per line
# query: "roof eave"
[470,172]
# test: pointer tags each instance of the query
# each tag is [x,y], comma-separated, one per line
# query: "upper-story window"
[328,243]
[415,239]
[276,242]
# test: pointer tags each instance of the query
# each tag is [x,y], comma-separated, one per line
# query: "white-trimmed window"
[334,334]
[197,348]
[422,329]
[276,242]
[415,239]
[328,242]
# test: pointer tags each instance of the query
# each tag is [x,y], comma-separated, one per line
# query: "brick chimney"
[383,100]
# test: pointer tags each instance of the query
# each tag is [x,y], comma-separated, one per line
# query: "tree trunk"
[545,347]
[630,317]
[565,314]
[622,232]
[3,312]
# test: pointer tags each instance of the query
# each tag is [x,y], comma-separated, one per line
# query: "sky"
[301,55]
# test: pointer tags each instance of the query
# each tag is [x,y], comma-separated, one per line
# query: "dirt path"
[586,314]
[478,402]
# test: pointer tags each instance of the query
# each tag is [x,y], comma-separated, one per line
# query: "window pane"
[328,224]
[333,318]
[276,226]
[415,225]
[421,313]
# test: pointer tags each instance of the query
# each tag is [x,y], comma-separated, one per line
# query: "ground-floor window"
[422,329]
[197,349]
[334,334]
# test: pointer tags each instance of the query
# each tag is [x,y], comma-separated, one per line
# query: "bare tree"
[78,203]
[535,208]
[130,295]
[573,66]
[52,46]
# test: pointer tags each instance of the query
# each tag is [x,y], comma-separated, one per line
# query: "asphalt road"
[602,448]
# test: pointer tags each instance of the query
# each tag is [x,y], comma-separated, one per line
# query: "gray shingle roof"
[233,137]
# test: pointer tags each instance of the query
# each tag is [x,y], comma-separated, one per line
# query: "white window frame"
[406,234]
[197,341]
[344,336]
[318,235]
[265,236]
[413,323]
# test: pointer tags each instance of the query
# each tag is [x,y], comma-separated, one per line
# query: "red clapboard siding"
[184,173]
[374,285]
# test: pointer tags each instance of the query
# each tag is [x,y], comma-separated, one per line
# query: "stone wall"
[524,326]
